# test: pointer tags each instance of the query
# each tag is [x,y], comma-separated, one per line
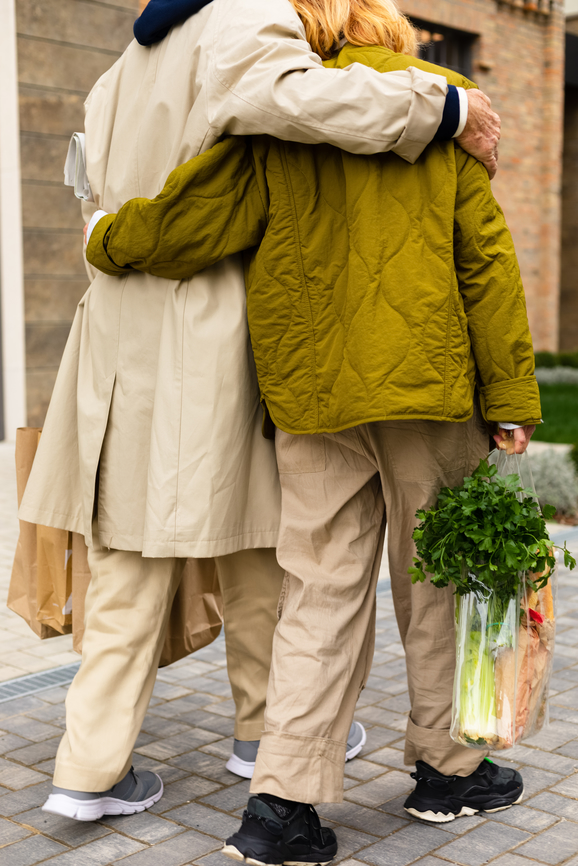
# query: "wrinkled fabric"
[157,385]
[379,291]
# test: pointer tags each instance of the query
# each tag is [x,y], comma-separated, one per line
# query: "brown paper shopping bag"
[26,583]
[196,615]
[50,578]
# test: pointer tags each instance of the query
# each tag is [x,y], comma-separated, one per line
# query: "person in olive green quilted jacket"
[380,296]
[400,281]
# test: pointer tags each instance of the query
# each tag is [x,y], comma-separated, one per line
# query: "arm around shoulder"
[264,78]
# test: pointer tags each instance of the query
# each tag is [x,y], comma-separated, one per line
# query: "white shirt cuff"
[97,215]
[463,111]
[508,426]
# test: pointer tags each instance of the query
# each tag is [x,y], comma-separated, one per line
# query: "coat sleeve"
[210,207]
[494,302]
[264,78]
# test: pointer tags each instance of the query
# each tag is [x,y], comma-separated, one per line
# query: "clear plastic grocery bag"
[504,649]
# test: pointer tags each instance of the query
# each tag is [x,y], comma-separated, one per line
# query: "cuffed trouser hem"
[436,748]
[304,769]
[78,778]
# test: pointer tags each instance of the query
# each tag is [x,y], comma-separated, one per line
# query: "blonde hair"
[360,22]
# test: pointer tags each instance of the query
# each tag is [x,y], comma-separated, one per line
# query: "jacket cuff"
[96,250]
[450,117]
[518,399]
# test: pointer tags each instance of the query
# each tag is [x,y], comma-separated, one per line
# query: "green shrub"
[556,480]
[556,359]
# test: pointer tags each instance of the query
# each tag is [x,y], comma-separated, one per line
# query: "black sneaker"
[275,834]
[439,799]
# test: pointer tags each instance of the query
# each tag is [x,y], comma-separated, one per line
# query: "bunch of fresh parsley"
[484,535]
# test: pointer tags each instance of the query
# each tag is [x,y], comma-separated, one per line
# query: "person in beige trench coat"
[154,427]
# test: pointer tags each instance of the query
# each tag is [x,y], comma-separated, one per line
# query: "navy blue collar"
[160,15]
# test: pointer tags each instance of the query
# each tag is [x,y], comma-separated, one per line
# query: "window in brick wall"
[445,46]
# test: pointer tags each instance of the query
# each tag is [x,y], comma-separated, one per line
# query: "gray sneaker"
[135,793]
[242,761]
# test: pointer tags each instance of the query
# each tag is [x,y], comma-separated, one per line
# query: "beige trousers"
[337,492]
[126,613]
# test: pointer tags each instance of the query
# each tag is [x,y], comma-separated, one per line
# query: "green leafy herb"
[483,535]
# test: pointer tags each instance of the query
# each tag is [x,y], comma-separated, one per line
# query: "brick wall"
[63,47]
[569,274]
[518,62]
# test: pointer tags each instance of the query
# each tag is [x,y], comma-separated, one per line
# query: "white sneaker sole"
[245,769]
[234,853]
[92,810]
[240,768]
[465,811]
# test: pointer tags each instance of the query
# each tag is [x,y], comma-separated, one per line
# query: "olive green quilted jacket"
[378,290]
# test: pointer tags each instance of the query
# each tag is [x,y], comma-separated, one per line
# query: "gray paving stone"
[513,860]
[172,709]
[11,832]
[569,698]
[18,706]
[159,726]
[570,750]
[30,729]
[181,792]
[379,716]
[206,820]
[54,714]
[209,722]
[168,747]
[398,704]
[351,841]
[568,787]
[554,735]
[377,737]
[525,817]
[102,852]
[465,824]
[36,752]
[9,742]
[21,801]
[220,748]
[56,695]
[224,708]
[536,780]
[169,691]
[384,788]
[206,765]
[72,833]
[405,846]
[558,806]
[230,799]
[546,760]
[390,758]
[483,844]
[174,852]
[143,826]
[361,818]
[554,845]
[16,777]
[363,770]
[29,851]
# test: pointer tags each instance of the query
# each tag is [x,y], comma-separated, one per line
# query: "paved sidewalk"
[187,737]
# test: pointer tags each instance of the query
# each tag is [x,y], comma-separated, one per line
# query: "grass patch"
[560,414]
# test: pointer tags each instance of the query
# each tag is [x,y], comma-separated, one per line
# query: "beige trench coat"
[156,404]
